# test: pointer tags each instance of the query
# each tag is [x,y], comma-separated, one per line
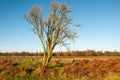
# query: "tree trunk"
[44,58]
[48,58]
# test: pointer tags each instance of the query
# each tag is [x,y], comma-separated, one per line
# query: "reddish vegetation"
[6,63]
[92,68]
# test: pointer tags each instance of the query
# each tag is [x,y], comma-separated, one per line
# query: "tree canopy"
[53,30]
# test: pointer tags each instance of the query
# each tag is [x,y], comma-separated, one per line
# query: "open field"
[60,68]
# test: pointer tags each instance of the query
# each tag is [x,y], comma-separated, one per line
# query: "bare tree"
[51,31]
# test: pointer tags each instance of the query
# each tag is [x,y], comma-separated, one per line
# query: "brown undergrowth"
[92,69]
[59,70]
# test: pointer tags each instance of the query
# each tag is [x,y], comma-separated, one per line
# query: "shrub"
[92,69]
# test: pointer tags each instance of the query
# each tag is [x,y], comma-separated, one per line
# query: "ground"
[60,68]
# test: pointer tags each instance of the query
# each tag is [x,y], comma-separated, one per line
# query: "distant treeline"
[69,53]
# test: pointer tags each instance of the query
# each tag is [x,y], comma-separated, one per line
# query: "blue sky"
[99,19]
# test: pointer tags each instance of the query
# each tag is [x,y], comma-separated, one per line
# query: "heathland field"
[60,68]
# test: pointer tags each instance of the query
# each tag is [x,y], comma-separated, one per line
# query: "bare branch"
[53,30]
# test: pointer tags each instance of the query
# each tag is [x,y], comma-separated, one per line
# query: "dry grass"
[60,68]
